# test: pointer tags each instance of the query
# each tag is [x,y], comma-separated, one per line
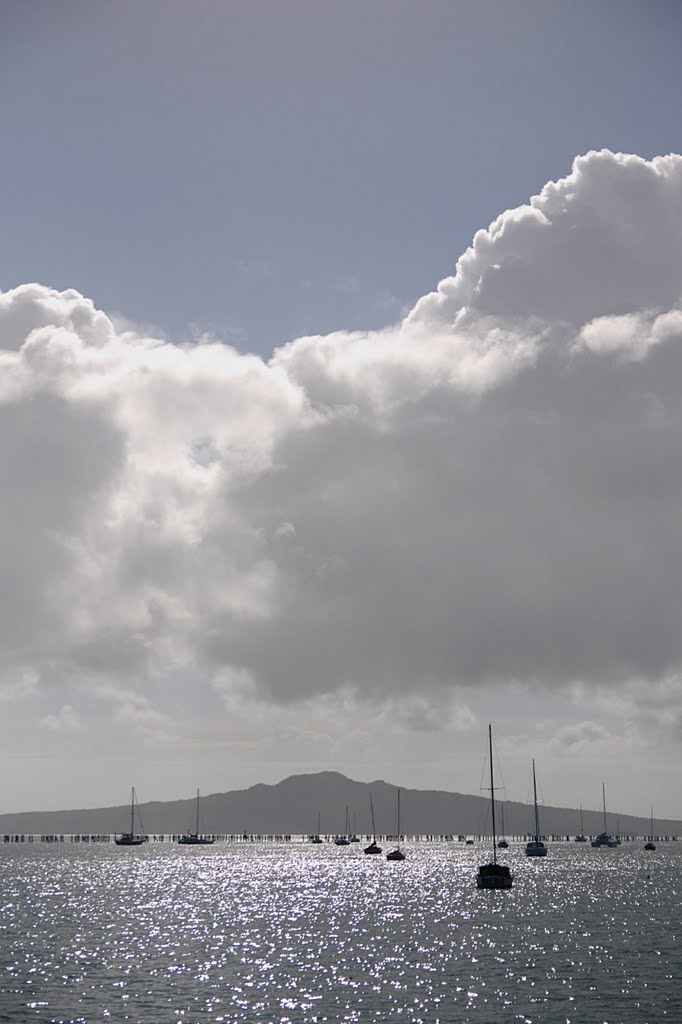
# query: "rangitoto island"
[292,806]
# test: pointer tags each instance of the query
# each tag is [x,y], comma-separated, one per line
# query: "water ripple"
[296,934]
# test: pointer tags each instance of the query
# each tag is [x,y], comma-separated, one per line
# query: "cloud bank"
[488,491]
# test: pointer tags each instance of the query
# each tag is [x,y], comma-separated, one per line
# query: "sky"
[340,359]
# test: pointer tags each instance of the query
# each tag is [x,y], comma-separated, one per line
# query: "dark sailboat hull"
[494,876]
[536,848]
[129,840]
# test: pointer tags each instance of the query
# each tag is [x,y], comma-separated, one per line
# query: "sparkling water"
[293,933]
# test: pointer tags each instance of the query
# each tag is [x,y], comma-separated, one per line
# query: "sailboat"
[397,854]
[372,848]
[651,845]
[193,838]
[502,843]
[536,847]
[345,839]
[316,839]
[131,838]
[604,839]
[581,837]
[494,875]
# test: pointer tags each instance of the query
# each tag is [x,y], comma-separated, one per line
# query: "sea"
[292,933]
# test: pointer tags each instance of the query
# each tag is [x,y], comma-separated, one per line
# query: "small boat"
[193,838]
[502,844]
[316,837]
[397,854]
[604,839]
[345,839]
[536,847]
[651,845]
[373,846]
[493,875]
[581,838]
[131,838]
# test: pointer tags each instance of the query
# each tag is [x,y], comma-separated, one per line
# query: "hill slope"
[292,806]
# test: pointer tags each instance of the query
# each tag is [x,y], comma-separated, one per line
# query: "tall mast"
[197,830]
[603,802]
[371,807]
[132,811]
[535,801]
[492,788]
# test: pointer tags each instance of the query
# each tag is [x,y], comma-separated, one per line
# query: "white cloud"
[64,720]
[573,739]
[605,240]
[18,684]
[489,490]
[135,712]
[630,335]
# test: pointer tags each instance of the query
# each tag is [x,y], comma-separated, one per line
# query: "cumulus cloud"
[488,490]
[64,720]
[573,739]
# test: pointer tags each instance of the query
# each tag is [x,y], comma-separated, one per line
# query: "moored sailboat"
[502,843]
[581,837]
[397,854]
[604,839]
[132,838]
[193,838]
[345,839]
[373,846]
[316,838]
[493,875]
[651,845]
[536,847]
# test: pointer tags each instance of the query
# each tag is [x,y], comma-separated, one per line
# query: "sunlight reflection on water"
[295,933]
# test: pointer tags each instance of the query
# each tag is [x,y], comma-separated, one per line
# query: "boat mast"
[132,811]
[603,802]
[371,807]
[399,833]
[197,829]
[535,801]
[492,789]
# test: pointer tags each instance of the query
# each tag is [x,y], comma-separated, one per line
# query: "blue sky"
[417,466]
[264,170]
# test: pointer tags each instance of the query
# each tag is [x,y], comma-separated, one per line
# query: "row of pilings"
[244,837]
